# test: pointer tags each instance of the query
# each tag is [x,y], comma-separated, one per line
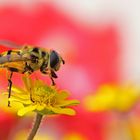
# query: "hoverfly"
[29,59]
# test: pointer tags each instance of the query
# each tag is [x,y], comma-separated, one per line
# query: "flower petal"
[16,106]
[62,95]
[68,103]
[21,96]
[25,110]
[15,99]
[66,111]
[17,90]
[40,107]
[100,102]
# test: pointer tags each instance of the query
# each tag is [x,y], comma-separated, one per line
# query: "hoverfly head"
[55,60]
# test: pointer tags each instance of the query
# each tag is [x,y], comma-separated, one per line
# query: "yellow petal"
[40,107]
[18,90]
[25,110]
[19,96]
[62,95]
[66,111]
[74,136]
[100,102]
[16,106]
[4,93]
[68,102]
[15,99]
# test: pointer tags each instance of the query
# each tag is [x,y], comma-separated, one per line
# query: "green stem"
[35,126]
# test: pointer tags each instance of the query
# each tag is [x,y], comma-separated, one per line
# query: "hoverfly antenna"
[63,61]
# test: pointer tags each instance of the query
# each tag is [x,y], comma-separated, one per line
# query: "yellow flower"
[74,136]
[41,98]
[113,97]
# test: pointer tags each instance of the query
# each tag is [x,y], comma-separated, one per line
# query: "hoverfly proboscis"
[29,59]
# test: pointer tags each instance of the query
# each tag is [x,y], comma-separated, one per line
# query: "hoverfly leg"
[31,98]
[53,75]
[53,83]
[28,69]
[9,87]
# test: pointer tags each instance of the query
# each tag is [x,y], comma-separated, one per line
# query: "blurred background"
[99,40]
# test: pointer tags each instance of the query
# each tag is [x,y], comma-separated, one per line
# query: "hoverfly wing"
[9,44]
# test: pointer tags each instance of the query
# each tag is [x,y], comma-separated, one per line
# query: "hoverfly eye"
[54,59]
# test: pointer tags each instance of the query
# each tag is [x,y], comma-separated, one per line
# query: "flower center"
[44,95]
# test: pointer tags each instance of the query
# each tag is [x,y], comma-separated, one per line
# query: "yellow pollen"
[43,95]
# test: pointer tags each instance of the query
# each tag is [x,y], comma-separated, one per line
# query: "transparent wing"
[9,44]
